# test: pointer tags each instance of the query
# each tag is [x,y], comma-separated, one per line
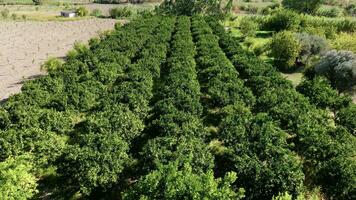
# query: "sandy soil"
[24,46]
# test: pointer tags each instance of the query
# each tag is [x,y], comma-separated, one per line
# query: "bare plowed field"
[24,46]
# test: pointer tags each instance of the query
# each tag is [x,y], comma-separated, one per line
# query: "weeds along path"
[25,45]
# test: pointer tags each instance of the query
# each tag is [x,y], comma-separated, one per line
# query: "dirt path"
[25,45]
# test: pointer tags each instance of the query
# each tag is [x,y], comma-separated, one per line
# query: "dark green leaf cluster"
[321,94]
[347,118]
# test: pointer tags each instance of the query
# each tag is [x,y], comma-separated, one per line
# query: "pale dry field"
[24,46]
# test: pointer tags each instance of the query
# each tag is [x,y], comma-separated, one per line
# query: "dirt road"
[25,45]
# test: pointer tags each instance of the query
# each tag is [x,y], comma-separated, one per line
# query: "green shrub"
[347,118]
[248,27]
[283,20]
[117,13]
[82,11]
[303,6]
[173,182]
[269,9]
[285,49]
[16,178]
[345,41]
[51,65]
[321,94]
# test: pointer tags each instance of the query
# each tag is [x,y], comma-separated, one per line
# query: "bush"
[172,182]
[96,13]
[269,9]
[321,94]
[248,27]
[117,13]
[51,65]
[283,20]
[345,41]
[82,12]
[347,118]
[285,49]
[16,179]
[338,176]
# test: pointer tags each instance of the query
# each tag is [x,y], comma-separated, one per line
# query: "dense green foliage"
[306,6]
[346,117]
[285,49]
[281,20]
[16,180]
[172,107]
[320,93]
[248,27]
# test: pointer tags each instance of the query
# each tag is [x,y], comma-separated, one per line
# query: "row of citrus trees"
[81,119]
[176,162]
[246,142]
[325,148]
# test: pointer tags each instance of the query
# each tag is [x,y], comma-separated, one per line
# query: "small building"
[69,14]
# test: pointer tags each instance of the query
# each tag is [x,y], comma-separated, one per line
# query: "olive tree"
[311,45]
[339,67]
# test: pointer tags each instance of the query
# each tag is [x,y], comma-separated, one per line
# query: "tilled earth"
[24,46]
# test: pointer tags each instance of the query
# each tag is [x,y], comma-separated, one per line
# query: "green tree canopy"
[16,179]
[171,182]
[285,49]
[306,6]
